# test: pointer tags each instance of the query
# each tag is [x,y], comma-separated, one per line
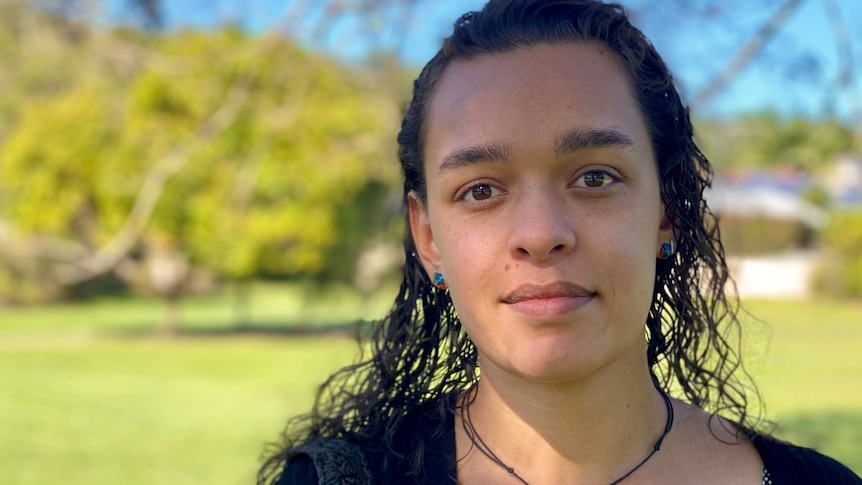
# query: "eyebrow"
[567,142]
[580,139]
[462,157]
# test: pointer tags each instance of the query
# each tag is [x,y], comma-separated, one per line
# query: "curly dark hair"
[419,352]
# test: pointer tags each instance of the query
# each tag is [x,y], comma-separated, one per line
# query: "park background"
[200,208]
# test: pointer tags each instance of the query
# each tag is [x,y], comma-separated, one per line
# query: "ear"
[666,232]
[423,237]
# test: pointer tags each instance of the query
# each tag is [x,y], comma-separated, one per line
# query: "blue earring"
[667,249]
[439,281]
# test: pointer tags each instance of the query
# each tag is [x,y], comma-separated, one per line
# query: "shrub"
[841,272]
[753,236]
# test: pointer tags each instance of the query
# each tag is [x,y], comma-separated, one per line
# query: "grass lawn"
[152,411]
[89,399]
[807,362]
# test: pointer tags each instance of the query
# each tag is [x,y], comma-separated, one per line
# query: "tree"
[769,141]
[199,152]
[841,271]
[163,158]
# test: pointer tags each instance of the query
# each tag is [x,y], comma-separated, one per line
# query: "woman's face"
[543,210]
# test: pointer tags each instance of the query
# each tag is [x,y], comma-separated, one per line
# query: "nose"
[542,226]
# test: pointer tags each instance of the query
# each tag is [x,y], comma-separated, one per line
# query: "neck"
[592,430]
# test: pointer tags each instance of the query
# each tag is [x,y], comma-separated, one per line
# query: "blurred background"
[200,205]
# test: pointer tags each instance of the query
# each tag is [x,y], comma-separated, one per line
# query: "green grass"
[809,370]
[153,411]
[91,395]
[87,398]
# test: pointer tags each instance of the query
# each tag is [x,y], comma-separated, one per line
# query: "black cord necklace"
[477,441]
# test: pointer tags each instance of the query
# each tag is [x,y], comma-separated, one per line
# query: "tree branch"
[747,53]
[113,252]
[844,44]
[110,255]
[75,263]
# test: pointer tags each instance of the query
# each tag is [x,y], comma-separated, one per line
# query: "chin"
[555,365]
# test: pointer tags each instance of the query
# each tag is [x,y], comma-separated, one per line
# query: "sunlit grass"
[810,373]
[154,411]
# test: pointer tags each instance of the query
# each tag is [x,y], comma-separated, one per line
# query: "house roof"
[767,201]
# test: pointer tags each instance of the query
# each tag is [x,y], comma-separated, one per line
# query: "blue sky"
[796,73]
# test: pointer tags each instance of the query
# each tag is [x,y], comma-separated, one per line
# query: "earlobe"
[423,236]
[666,242]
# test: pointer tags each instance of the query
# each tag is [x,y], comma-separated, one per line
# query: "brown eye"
[481,192]
[594,179]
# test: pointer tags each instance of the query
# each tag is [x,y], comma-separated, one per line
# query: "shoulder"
[299,471]
[726,453]
[417,444]
[325,462]
[418,447]
[706,449]
[788,463]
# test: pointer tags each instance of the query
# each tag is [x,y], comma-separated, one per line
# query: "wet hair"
[419,352]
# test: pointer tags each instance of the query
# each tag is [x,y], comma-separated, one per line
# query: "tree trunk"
[170,326]
[241,303]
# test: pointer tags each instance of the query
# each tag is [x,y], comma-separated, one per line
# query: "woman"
[563,276]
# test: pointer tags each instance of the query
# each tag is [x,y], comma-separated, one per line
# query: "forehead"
[530,95]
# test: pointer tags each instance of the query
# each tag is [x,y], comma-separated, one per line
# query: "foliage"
[767,140]
[841,271]
[799,152]
[749,236]
[187,153]
[186,157]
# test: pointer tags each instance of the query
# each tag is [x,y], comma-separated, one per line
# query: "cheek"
[473,262]
[468,251]
[470,265]
[634,262]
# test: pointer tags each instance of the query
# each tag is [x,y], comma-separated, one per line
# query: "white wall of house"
[788,275]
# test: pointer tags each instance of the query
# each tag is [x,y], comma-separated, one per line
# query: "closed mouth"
[546,292]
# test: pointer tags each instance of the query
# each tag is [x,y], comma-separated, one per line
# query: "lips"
[546,292]
[544,301]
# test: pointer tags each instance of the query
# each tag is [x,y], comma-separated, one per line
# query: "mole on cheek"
[507,267]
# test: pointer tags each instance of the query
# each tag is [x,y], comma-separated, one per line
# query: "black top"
[792,465]
[787,464]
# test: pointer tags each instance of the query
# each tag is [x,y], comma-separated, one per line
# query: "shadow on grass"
[834,433]
[353,330]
